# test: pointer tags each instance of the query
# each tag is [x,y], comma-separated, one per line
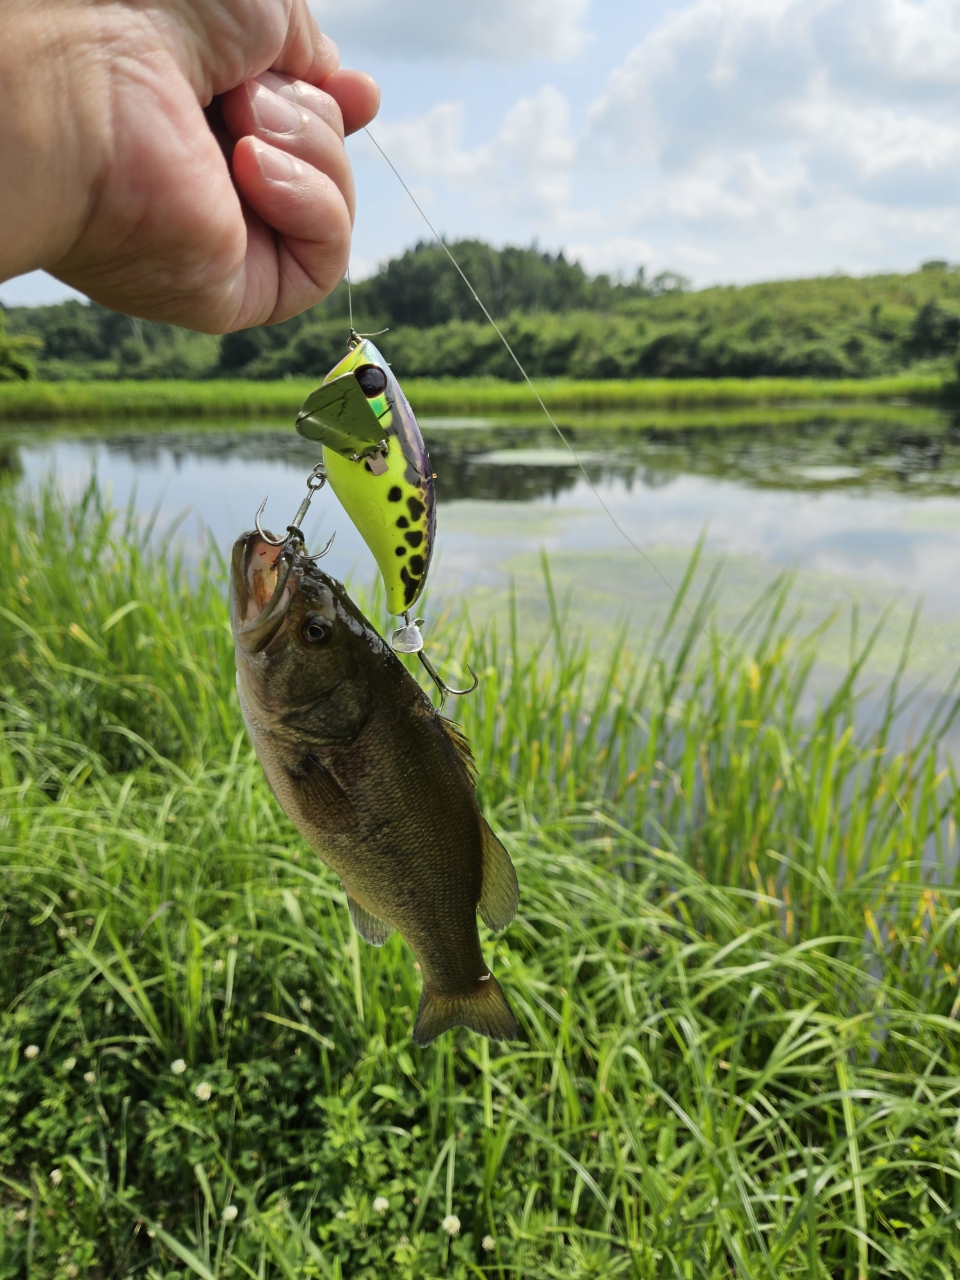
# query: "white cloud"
[872,81]
[498,30]
[829,126]
[527,163]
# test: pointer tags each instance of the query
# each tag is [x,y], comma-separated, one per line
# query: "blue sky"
[731,140]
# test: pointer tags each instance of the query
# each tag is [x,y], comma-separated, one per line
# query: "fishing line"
[526,377]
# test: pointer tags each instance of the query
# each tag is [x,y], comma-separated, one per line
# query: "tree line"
[561,321]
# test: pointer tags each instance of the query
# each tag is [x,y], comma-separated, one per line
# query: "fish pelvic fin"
[370,927]
[485,1011]
[500,892]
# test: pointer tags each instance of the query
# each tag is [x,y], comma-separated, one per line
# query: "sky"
[729,140]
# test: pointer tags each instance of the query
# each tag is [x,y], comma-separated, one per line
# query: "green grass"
[734,967]
[45,400]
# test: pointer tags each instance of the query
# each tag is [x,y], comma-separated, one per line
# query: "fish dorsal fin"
[370,927]
[500,893]
[461,745]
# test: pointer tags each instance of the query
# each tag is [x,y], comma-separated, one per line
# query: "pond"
[863,506]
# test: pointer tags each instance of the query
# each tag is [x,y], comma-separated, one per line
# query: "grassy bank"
[49,400]
[735,964]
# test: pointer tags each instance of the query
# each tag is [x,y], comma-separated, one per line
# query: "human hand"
[112,179]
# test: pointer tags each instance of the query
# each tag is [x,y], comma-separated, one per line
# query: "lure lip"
[255,633]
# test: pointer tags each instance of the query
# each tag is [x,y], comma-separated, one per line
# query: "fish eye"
[316,630]
[372,379]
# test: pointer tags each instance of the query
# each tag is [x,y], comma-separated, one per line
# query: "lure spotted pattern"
[377,465]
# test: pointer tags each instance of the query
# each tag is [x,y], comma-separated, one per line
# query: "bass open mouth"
[271,579]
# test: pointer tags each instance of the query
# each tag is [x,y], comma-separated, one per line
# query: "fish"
[377,464]
[378,783]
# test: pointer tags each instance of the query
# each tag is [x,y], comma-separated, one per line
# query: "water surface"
[861,509]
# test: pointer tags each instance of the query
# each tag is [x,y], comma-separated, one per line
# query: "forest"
[561,321]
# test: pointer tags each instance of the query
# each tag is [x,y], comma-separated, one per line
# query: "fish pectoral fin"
[500,892]
[320,795]
[370,927]
[485,1011]
[461,745]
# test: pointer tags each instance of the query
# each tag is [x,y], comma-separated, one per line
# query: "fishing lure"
[377,465]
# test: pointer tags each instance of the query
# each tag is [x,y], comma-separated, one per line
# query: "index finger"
[356,94]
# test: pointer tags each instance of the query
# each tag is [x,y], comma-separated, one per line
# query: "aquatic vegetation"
[38,401]
[734,966]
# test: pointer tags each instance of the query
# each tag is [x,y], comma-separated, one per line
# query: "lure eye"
[316,630]
[372,379]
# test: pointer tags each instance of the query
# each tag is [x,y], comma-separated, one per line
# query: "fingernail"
[276,166]
[271,112]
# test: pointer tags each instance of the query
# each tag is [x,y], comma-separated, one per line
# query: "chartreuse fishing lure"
[377,465]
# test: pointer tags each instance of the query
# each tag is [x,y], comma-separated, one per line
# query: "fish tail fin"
[485,1011]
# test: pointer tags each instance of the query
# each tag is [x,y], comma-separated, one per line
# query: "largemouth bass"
[376,781]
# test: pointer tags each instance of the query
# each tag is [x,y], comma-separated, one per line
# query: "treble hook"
[442,685]
[315,482]
[409,640]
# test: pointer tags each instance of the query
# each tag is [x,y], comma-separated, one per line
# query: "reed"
[735,964]
[33,401]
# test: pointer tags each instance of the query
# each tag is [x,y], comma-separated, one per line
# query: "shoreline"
[33,401]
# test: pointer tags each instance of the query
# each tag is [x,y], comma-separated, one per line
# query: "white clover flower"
[230,1212]
[21,1215]
[381,1204]
[488,1243]
[90,1077]
[204,1091]
[451,1224]
[341,1215]
[56,1176]
[31,1051]
[178,1067]
[69,1064]
[306,1004]
[404,1240]
[218,966]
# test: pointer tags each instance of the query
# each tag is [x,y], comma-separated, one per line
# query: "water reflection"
[510,462]
[11,466]
[860,503]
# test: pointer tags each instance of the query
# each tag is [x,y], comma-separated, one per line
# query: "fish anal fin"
[370,927]
[485,1011]
[500,892]
[461,745]
[320,796]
